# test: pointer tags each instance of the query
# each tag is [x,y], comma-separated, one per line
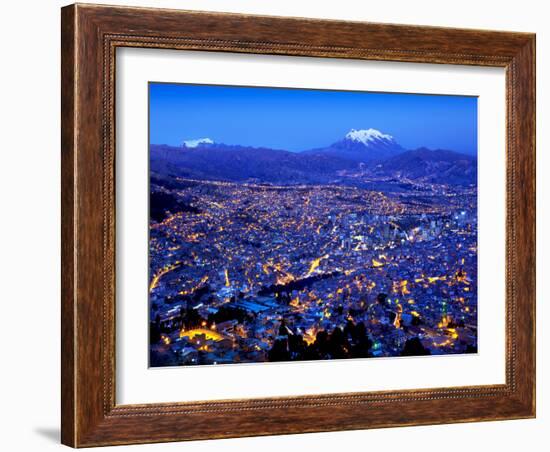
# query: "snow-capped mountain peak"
[197,142]
[364,145]
[367,136]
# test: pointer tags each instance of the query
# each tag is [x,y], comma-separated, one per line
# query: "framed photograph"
[282,225]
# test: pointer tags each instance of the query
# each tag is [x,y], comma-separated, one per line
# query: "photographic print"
[292,224]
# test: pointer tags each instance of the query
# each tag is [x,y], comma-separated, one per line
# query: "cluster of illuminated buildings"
[263,273]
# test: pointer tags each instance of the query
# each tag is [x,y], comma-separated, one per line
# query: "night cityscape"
[362,248]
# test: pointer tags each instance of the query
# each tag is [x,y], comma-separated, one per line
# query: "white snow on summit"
[197,142]
[367,136]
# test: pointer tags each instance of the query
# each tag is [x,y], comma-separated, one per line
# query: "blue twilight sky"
[298,119]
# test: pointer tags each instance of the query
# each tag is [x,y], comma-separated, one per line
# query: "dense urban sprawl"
[251,272]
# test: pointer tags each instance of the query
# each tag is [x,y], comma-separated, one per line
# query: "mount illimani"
[362,155]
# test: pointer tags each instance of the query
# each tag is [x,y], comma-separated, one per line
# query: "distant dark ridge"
[238,163]
[272,166]
[435,166]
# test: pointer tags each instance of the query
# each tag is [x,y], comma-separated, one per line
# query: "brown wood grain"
[68,332]
[90,36]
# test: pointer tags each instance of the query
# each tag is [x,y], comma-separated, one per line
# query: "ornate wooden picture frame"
[90,37]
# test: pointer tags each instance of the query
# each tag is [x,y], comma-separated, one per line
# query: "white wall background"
[30,263]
